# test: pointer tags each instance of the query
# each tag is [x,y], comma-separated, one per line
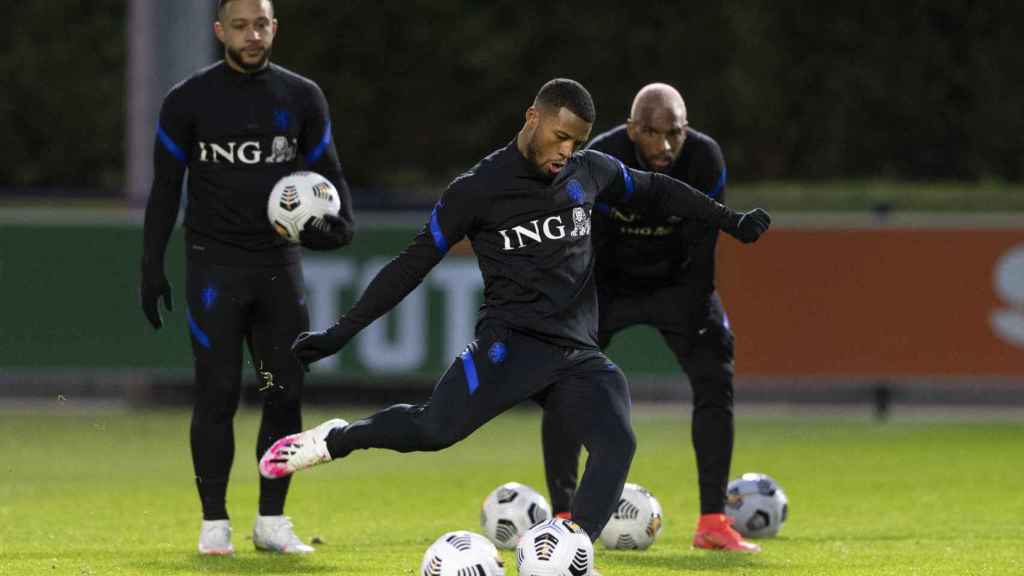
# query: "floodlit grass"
[105,493]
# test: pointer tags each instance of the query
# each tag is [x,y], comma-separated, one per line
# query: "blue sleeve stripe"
[435,231]
[317,152]
[169,144]
[716,192]
[629,182]
[469,367]
[197,332]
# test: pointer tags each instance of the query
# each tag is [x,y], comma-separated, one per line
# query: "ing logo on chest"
[542,230]
[281,149]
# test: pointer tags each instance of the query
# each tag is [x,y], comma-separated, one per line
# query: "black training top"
[637,251]
[237,134]
[531,235]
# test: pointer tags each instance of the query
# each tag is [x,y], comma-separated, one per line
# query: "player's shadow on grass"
[262,563]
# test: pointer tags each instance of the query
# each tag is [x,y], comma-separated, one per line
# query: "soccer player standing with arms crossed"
[659,270]
[526,210]
[238,126]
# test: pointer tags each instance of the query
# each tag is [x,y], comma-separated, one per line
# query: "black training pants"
[263,307]
[705,353]
[498,370]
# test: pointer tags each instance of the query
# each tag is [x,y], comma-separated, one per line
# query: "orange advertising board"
[877,302]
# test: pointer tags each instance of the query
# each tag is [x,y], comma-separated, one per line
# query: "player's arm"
[316,144]
[710,175]
[661,194]
[450,221]
[170,159]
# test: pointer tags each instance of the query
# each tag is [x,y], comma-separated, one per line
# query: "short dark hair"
[563,92]
[223,3]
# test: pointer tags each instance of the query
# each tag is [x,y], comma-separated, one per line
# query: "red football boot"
[715,532]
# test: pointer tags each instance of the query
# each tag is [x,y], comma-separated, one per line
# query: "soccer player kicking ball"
[659,271]
[526,210]
[237,127]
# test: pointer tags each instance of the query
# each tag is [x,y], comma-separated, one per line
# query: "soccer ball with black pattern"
[462,553]
[757,505]
[555,547]
[509,511]
[298,198]
[636,522]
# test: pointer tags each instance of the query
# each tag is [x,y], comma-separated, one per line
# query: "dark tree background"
[420,90]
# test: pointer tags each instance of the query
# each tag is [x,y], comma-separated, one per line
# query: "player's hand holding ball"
[328,232]
[304,208]
[750,225]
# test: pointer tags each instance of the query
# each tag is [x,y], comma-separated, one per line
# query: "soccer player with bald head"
[526,210]
[659,270]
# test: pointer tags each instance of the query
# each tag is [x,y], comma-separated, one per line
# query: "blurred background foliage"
[793,90]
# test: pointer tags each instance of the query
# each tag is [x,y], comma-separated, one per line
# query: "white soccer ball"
[509,511]
[636,522]
[757,505]
[556,547]
[298,198]
[461,553]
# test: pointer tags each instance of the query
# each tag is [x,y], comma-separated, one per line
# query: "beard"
[236,57]
[531,155]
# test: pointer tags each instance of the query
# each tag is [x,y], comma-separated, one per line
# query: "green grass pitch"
[110,492]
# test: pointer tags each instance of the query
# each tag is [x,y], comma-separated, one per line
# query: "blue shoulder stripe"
[317,152]
[716,192]
[435,231]
[628,179]
[172,148]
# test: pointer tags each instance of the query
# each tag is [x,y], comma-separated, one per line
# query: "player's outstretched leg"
[298,451]
[484,381]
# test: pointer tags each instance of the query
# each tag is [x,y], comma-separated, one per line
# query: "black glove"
[750,225]
[154,285]
[310,347]
[327,233]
